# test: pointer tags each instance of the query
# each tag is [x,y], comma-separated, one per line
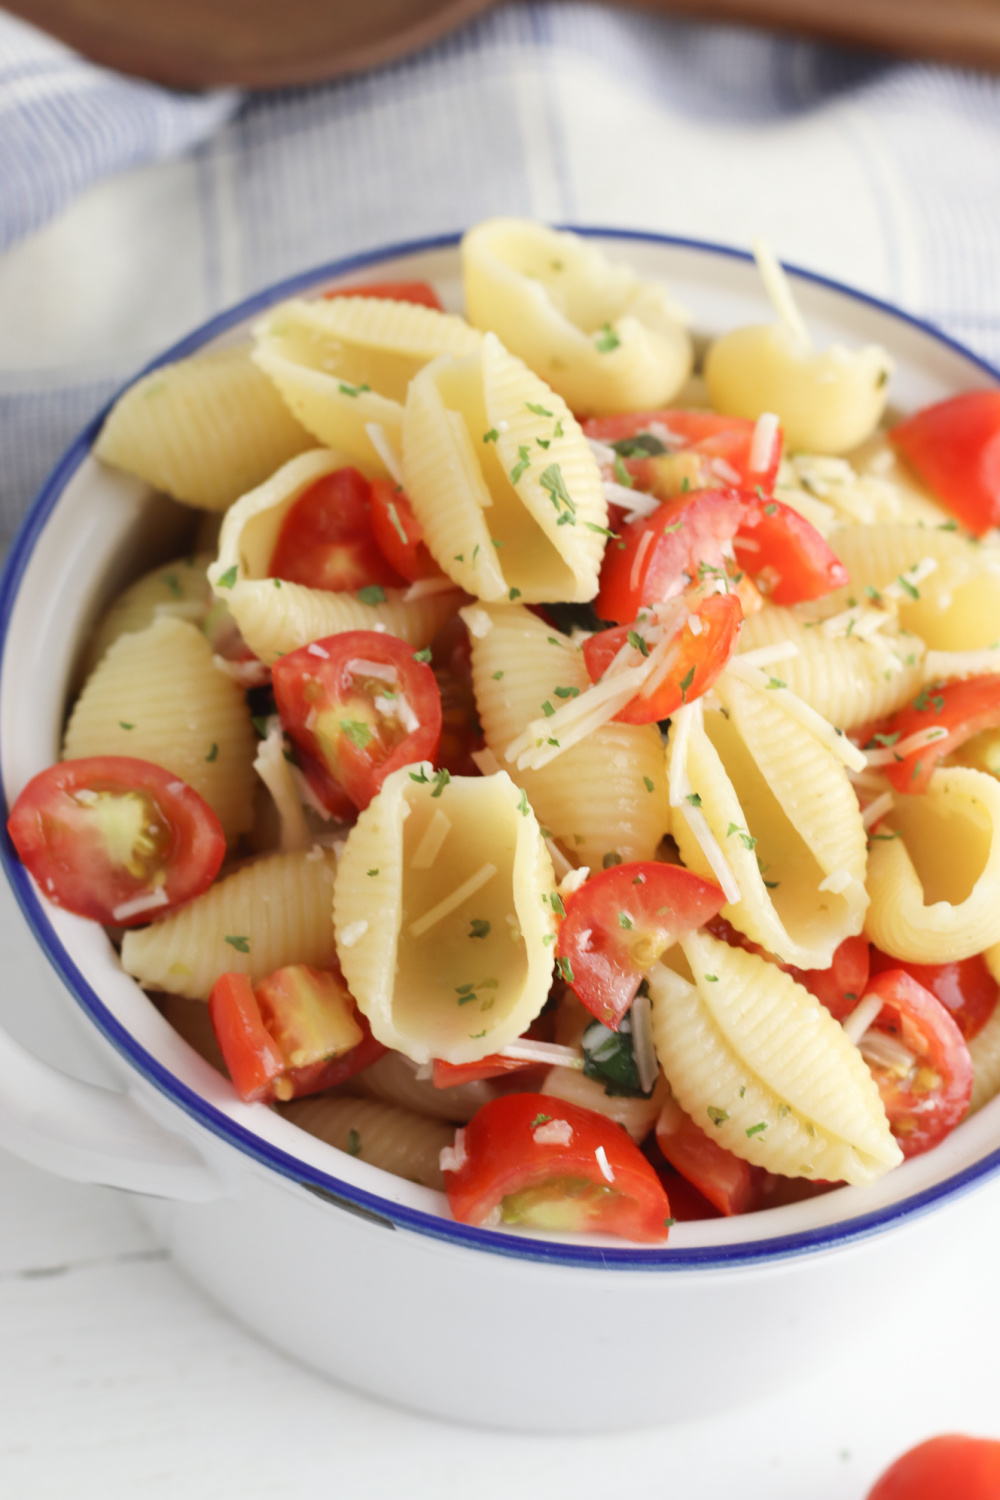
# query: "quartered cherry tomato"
[955,448]
[536,1160]
[927,1098]
[965,987]
[951,1467]
[663,449]
[398,532]
[297,1033]
[617,925]
[787,558]
[326,540]
[116,839]
[657,557]
[727,1182]
[694,662]
[393,291]
[961,709]
[358,706]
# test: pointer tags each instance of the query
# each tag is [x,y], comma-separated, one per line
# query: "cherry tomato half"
[727,1182]
[965,987]
[954,446]
[326,540]
[116,839]
[961,709]
[926,1098]
[393,291]
[536,1160]
[966,1468]
[694,662]
[657,557]
[358,705]
[785,556]
[840,987]
[716,448]
[398,532]
[619,922]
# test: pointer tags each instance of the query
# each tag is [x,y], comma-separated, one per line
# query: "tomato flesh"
[960,709]
[954,446]
[116,839]
[965,987]
[298,1033]
[967,1468]
[619,923]
[358,706]
[399,534]
[393,291]
[785,556]
[505,1173]
[714,448]
[840,987]
[326,540]
[726,1181]
[925,1099]
[694,662]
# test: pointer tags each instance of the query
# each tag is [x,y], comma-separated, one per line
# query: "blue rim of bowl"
[343,1194]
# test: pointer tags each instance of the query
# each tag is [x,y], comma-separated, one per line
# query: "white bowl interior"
[105,529]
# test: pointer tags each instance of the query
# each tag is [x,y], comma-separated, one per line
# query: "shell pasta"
[554,741]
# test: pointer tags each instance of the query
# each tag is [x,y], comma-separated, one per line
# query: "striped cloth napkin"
[128,213]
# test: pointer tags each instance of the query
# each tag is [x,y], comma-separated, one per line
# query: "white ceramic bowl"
[355,1272]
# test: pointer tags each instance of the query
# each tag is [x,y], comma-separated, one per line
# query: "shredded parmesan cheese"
[353,933]
[430,845]
[604,1164]
[857,1023]
[642,1042]
[766,656]
[573,880]
[943,666]
[427,586]
[477,621]
[680,790]
[139,904]
[772,274]
[918,741]
[549,1053]
[450,903]
[877,810]
[838,744]
[765,434]
[453,1158]
[836,881]
[553,1133]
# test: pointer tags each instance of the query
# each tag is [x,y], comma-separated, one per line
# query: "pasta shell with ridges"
[397,1140]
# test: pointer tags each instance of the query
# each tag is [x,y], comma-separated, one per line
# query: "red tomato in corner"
[953,1465]
[116,839]
[927,1099]
[326,540]
[505,1172]
[358,706]
[392,291]
[965,987]
[619,922]
[694,664]
[954,446]
[399,534]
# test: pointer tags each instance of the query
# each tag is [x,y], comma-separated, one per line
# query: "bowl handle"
[92,1134]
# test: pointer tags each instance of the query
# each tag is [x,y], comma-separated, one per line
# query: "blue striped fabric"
[880,172]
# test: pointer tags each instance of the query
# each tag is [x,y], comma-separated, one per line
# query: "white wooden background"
[118,1379]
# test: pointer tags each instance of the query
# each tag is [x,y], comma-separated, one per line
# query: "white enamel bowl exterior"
[356,1273]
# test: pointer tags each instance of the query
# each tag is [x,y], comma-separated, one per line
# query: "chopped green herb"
[497,676]
[914,593]
[552,481]
[372,593]
[479,928]
[637,643]
[601,530]
[883,739]
[886,838]
[522,806]
[556,902]
[565,968]
[642,445]
[948,526]
[213,754]
[420,776]
[566,692]
[694,798]
[547,709]
[424,655]
[241,944]
[523,462]
[609,1058]
[606,339]
[540,411]
[624,920]
[259,722]
[873,594]
[229,577]
[352,390]
[170,579]
[610,859]
[353,1143]
[776,682]
[491,436]
[648,783]
[685,683]
[622,474]
[539,1119]
[441,780]
[122,725]
[717,1116]
[373,872]
[357,731]
[770,510]
[756,1129]
[514,594]
[712,978]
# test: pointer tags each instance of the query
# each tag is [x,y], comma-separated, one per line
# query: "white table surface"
[118,1379]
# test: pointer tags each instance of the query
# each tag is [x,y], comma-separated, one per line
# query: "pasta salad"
[565,771]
